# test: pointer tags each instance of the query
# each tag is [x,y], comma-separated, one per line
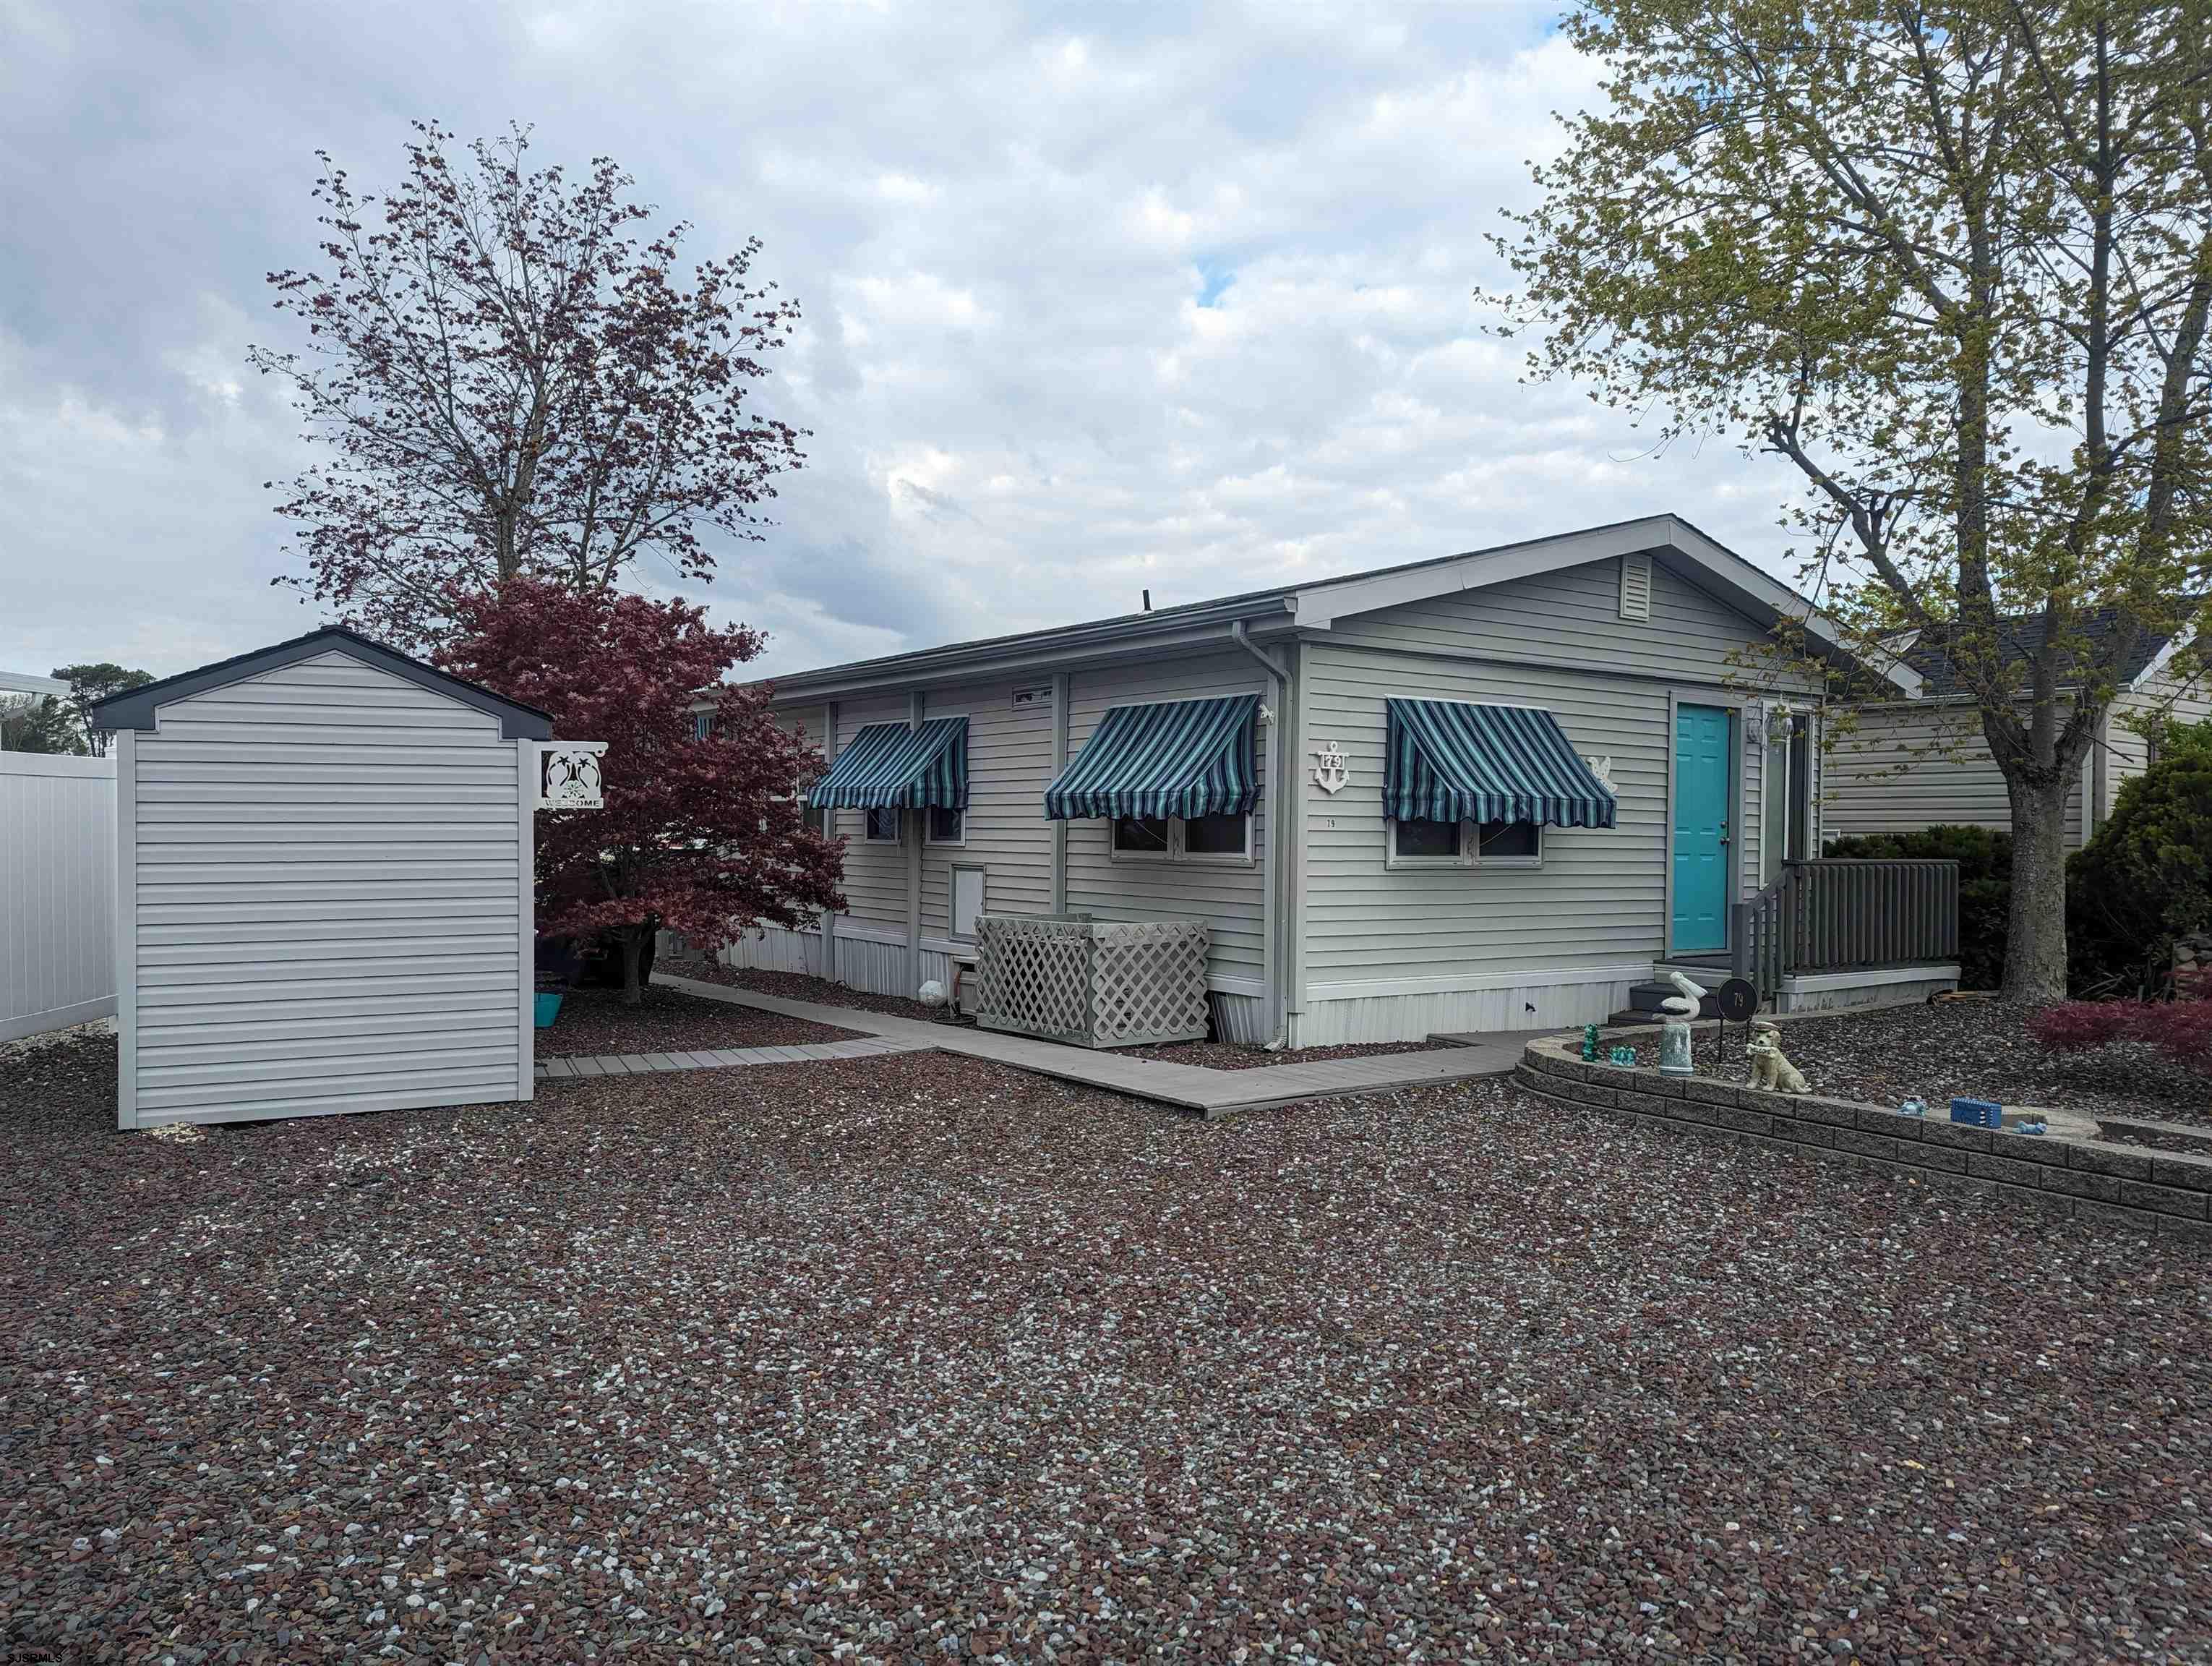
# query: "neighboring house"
[1485,792]
[1920,760]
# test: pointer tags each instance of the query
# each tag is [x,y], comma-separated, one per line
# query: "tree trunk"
[633,951]
[2035,945]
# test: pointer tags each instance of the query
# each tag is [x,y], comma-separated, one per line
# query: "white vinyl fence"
[57,891]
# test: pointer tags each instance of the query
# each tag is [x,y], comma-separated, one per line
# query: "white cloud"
[1000,233]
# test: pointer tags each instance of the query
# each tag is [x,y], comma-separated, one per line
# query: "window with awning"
[1180,758]
[1450,762]
[889,766]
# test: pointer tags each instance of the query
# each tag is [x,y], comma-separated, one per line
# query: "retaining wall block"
[2081,1182]
[1875,1120]
[2100,1157]
[2183,1169]
[2189,1231]
[1864,1143]
[2013,1172]
[1957,1135]
[2037,1148]
[1743,1122]
[2163,1200]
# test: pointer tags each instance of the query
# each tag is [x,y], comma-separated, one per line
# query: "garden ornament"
[2033,1128]
[1675,1028]
[1770,1071]
[1623,1056]
[932,993]
[1913,1108]
[1590,1043]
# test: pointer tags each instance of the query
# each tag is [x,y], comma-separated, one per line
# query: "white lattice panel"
[1096,983]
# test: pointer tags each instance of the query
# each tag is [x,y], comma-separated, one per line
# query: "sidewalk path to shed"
[1210,1093]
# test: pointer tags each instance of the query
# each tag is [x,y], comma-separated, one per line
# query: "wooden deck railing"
[1836,915]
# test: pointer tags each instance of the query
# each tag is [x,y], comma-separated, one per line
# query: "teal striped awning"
[1450,762]
[889,766]
[1181,757]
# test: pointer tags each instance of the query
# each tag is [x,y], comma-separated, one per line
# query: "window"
[882,826]
[1509,843]
[1140,835]
[1462,844]
[947,826]
[1217,836]
[1425,840]
[702,724]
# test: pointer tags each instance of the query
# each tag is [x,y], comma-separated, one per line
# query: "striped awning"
[1182,757]
[1449,762]
[888,766]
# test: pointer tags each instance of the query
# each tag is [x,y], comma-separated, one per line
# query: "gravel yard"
[595,1021]
[918,1358]
[1974,1049]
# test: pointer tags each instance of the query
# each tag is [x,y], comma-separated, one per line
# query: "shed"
[324,899]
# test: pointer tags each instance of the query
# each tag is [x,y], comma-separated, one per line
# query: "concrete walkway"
[1210,1093]
[720,1058]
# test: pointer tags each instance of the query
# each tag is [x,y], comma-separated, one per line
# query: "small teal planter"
[549,1007]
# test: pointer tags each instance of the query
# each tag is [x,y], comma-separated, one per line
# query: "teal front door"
[1704,779]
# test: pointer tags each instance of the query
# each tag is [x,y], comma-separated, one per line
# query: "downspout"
[1278,830]
[1061,686]
[912,826]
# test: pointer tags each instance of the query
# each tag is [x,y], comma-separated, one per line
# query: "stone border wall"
[2162,1192]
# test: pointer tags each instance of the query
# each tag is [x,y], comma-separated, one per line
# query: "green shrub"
[2145,879]
[1984,859]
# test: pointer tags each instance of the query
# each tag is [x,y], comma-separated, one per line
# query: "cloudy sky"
[1096,299]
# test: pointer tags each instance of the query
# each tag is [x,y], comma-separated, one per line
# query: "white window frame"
[1116,854]
[1466,853]
[929,832]
[868,829]
[1178,853]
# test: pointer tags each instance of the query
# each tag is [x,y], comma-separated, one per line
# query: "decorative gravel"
[1226,1055]
[595,1021]
[918,1359]
[1974,1049]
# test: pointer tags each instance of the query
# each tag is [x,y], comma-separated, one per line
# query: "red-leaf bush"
[701,831]
[2181,1030]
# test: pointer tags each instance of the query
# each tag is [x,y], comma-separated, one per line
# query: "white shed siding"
[1226,895]
[1903,767]
[1009,767]
[329,906]
[2129,752]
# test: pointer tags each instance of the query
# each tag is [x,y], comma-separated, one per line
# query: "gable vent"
[1636,587]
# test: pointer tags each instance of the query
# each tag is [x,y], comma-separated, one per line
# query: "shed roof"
[135,708]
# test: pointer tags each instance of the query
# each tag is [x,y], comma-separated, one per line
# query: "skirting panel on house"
[772,949]
[1416,1017]
[1240,1018]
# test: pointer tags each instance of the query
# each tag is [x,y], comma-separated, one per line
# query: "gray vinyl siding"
[1598,900]
[2163,696]
[1571,619]
[1226,895]
[328,899]
[875,874]
[1009,767]
[1903,768]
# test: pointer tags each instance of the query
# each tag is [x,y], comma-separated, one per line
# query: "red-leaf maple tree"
[701,832]
[506,377]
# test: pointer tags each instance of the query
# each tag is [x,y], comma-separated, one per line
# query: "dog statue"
[1770,1069]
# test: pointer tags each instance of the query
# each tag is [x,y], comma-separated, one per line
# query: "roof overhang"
[19,682]
[1044,652]
[1688,553]
[137,709]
